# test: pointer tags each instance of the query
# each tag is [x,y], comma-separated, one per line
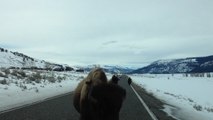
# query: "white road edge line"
[33,103]
[144,104]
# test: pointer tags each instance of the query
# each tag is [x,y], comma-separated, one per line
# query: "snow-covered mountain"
[186,65]
[9,59]
[115,69]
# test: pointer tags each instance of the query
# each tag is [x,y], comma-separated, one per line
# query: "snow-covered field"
[189,98]
[21,87]
[16,90]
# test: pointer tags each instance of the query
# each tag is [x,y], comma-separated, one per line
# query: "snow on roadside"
[16,90]
[191,96]
[18,93]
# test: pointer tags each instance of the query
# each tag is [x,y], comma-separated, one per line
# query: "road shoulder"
[153,103]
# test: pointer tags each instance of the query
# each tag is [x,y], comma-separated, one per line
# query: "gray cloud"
[109,42]
[108,32]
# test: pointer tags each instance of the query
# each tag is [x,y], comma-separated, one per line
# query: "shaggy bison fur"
[95,77]
[95,99]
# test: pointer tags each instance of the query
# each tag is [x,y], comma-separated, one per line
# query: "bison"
[97,99]
[96,76]
[114,79]
[129,81]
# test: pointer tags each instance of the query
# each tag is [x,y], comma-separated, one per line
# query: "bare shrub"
[59,78]
[28,81]
[51,79]
[208,75]
[3,75]
[16,82]
[14,72]
[38,80]
[59,81]
[209,109]
[6,71]
[35,77]
[3,82]
[22,73]
[190,100]
[24,87]
[36,90]
[80,78]
[198,107]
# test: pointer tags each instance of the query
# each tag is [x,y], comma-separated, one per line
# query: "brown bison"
[96,76]
[129,81]
[95,99]
[114,79]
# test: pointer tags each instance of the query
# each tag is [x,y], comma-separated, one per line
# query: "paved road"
[62,109]
[132,108]
[56,109]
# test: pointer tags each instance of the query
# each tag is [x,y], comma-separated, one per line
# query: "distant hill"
[9,59]
[186,65]
[114,69]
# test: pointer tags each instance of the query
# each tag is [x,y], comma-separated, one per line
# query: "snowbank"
[18,93]
[191,96]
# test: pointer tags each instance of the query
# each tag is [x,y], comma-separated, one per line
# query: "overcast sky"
[119,32]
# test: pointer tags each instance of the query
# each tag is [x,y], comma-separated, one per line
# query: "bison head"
[114,79]
[105,102]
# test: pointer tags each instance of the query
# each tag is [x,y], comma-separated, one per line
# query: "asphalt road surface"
[61,108]
[132,108]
